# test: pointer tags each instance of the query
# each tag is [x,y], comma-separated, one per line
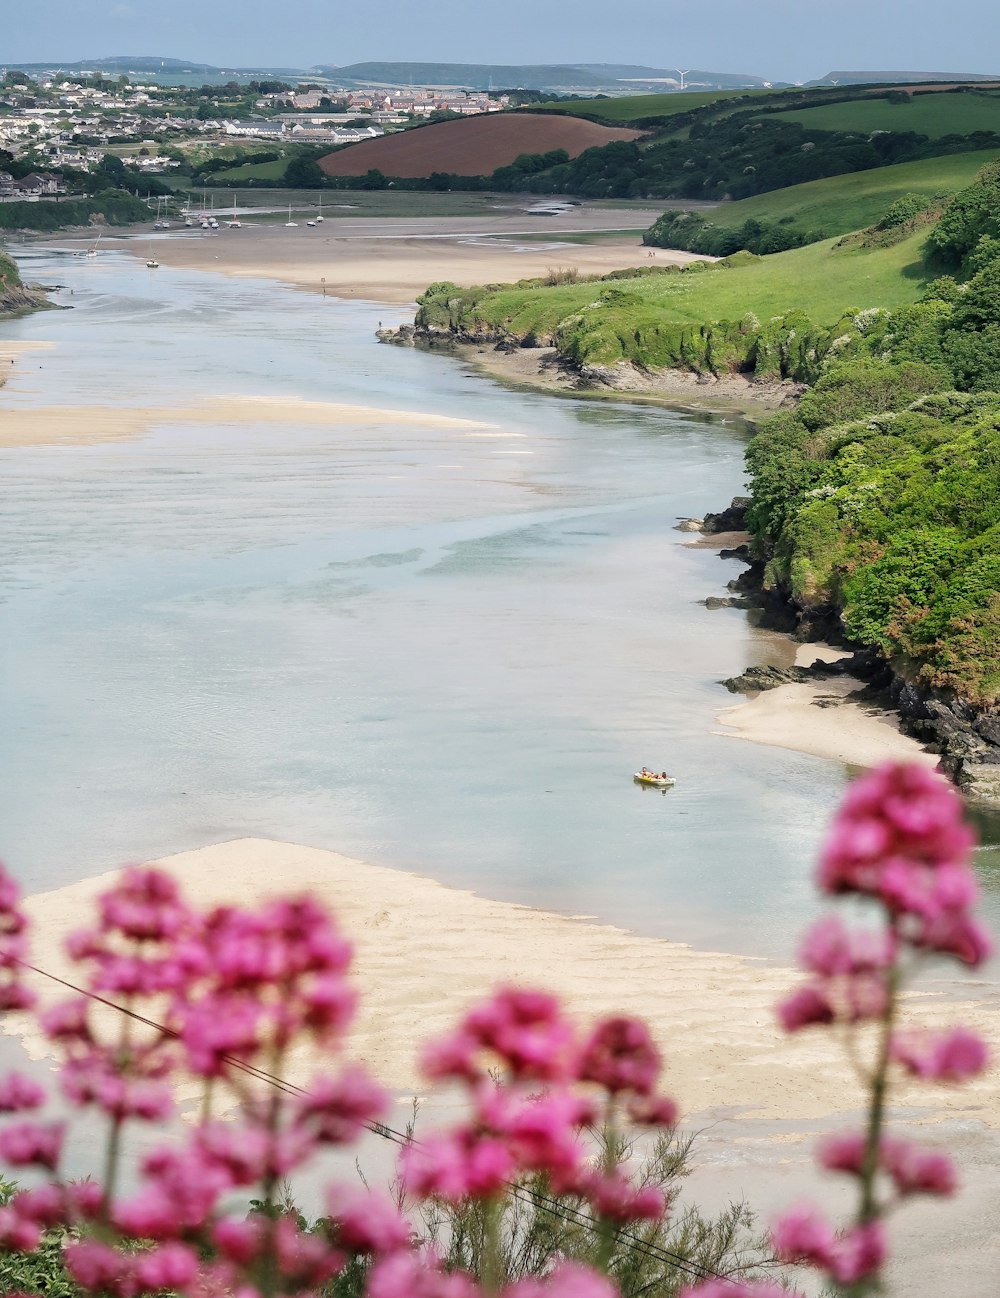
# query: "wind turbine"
[682,72]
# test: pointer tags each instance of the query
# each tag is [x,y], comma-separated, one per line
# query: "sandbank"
[823,718]
[46,425]
[425,951]
[393,260]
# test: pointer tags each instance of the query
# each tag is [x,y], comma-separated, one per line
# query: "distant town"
[54,130]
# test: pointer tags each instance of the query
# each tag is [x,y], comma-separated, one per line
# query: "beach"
[425,952]
[823,718]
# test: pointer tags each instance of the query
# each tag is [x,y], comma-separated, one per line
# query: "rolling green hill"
[633,108]
[933,115]
[839,204]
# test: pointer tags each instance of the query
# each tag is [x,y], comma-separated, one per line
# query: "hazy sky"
[778,39]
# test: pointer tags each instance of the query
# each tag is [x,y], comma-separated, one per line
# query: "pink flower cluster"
[524,1037]
[899,840]
[234,991]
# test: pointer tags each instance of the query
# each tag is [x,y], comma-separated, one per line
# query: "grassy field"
[933,115]
[840,204]
[254,171]
[633,107]
[820,280]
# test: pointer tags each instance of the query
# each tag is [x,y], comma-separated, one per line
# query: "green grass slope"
[932,115]
[821,280]
[840,204]
[632,108]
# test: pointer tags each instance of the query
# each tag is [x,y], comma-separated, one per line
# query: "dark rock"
[728,601]
[756,679]
[741,552]
[732,519]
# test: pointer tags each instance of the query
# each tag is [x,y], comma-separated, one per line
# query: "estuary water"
[426,620]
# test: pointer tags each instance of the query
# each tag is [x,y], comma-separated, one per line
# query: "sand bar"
[823,719]
[392,260]
[46,425]
[425,951]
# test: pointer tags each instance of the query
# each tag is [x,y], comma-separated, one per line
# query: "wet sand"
[393,260]
[45,425]
[823,718]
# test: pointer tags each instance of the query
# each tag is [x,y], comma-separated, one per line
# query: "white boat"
[152,263]
[654,781]
[319,218]
[290,222]
[312,223]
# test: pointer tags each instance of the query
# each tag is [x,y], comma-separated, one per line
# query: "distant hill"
[484,76]
[138,63]
[904,78]
[470,146]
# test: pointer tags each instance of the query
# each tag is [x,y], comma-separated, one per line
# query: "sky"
[789,40]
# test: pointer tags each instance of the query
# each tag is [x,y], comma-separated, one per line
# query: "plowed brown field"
[472,146]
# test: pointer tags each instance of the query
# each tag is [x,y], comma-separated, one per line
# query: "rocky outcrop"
[732,519]
[966,736]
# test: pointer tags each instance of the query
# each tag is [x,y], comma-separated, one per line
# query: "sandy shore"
[823,719]
[392,260]
[48,425]
[425,951]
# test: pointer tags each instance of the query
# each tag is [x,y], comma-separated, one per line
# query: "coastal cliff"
[965,733]
[15,296]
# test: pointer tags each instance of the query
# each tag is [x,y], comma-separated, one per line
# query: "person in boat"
[663,776]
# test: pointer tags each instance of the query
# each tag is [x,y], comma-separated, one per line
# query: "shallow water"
[442,649]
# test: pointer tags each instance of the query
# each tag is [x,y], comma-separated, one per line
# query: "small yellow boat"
[654,781]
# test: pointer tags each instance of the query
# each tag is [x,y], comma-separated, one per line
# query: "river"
[437,646]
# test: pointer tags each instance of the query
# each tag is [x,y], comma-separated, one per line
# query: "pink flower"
[304,1261]
[97,1267]
[238,1241]
[656,1111]
[144,905]
[901,814]
[830,948]
[734,1289]
[45,1205]
[844,1152]
[620,1056]
[615,1197]
[858,1254]
[457,1165]
[803,1236]
[918,1171]
[567,1280]
[367,1223]
[32,1144]
[68,1021]
[171,1266]
[451,1057]
[804,1008]
[15,996]
[527,1030]
[542,1131]
[952,1055]
[18,1093]
[328,1006]
[216,1029]
[337,1109]
[18,1234]
[407,1275]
